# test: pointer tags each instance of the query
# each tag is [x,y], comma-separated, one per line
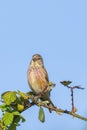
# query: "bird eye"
[38,58]
[34,59]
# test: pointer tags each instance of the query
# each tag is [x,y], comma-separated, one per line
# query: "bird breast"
[37,80]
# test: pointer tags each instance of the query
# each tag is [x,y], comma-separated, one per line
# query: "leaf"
[1,125]
[22,118]
[23,95]
[66,83]
[8,118]
[16,113]
[9,97]
[4,107]
[17,120]
[41,115]
[52,84]
[12,127]
[20,107]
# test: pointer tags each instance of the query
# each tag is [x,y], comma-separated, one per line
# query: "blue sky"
[58,31]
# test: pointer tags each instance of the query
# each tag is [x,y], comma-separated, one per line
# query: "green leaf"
[16,113]
[41,115]
[22,118]
[12,127]
[51,84]
[17,120]
[9,97]
[18,117]
[4,107]
[8,118]
[2,126]
[66,83]
[20,107]
[23,95]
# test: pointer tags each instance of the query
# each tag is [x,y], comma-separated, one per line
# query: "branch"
[52,108]
[62,111]
[72,88]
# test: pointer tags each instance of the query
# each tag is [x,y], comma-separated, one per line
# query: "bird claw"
[38,96]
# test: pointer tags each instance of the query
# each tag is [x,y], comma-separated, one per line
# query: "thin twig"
[72,99]
[67,84]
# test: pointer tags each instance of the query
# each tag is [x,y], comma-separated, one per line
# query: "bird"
[38,79]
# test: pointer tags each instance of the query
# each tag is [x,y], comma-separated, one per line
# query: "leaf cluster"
[11,107]
[13,103]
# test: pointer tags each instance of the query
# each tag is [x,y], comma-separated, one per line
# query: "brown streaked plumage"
[38,78]
[37,75]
